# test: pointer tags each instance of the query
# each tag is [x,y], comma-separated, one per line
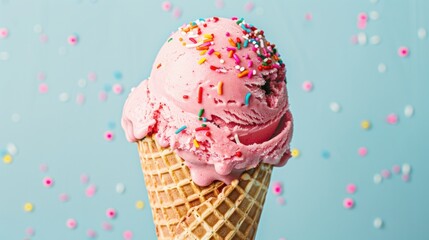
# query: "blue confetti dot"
[111,125]
[326,154]
[118,75]
[107,87]
[3,152]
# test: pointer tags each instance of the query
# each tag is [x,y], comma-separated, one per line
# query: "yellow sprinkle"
[203,52]
[183,43]
[365,124]
[28,207]
[209,36]
[202,60]
[140,204]
[7,158]
[196,144]
[220,88]
[295,153]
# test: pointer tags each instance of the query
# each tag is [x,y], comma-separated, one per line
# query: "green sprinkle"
[169,40]
[203,125]
[240,21]
[238,46]
[200,113]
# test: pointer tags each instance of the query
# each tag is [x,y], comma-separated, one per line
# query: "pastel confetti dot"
[295,152]
[406,168]
[28,207]
[326,154]
[166,6]
[409,111]
[102,96]
[361,38]
[219,3]
[362,16]
[248,7]
[64,197]
[382,68]
[4,32]
[81,83]
[385,173]
[374,40]
[80,99]
[392,118]
[43,167]
[92,76]
[365,124]
[377,178]
[41,76]
[111,213]
[351,188]
[106,226]
[84,178]
[139,204]
[118,75]
[111,125]
[421,33]
[63,97]
[277,188]
[90,191]
[7,159]
[12,149]
[72,40]
[177,13]
[43,88]
[120,188]
[374,15]
[127,235]
[71,223]
[43,38]
[405,177]
[109,136]
[403,51]
[308,16]
[348,203]
[281,201]
[307,86]
[361,24]
[396,169]
[117,88]
[335,107]
[30,232]
[37,28]
[48,182]
[4,56]
[378,223]
[91,233]
[362,151]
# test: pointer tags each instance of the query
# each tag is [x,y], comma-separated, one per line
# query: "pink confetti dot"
[277,188]
[405,177]
[166,6]
[80,99]
[30,232]
[48,182]
[84,178]
[43,38]
[43,88]
[348,203]
[219,3]
[91,190]
[403,51]
[361,24]
[43,167]
[308,16]
[102,96]
[362,16]
[111,213]
[281,201]
[4,32]
[108,135]
[92,76]
[392,118]
[63,197]
[91,233]
[351,188]
[385,173]
[72,40]
[307,86]
[396,169]
[354,39]
[248,7]
[177,13]
[107,226]
[362,151]
[41,76]
[127,235]
[71,223]
[117,88]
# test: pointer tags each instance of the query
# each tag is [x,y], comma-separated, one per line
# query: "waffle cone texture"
[183,210]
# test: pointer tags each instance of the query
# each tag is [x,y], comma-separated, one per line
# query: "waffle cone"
[183,210]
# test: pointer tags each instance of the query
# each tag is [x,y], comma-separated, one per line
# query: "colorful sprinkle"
[295,152]
[348,203]
[28,207]
[139,205]
[180,129]
[392,119]
[403,51]
[307,86]
[200,94]
[365,124]
[362,151]
[243,73]
[201,112]
[111,213]
[351,188]
[127,235]
[4,32]
[48,182]
[277,188]
[109,136]
[247,99]
[220,88]
[196,144]
[7,159]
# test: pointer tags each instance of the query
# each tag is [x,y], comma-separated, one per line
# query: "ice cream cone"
[183,210]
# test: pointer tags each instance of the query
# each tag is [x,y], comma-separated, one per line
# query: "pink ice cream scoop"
[217,96]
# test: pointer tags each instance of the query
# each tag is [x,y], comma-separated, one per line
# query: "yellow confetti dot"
[295,153]
[365,124]
[139,204]
[7,158]
[28,207]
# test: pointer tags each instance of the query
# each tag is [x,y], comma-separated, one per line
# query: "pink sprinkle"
[385,173]
[64,197]
[277,188]
[72,40]
[281,201]
[84,178]
[166,6]
[48,182]
[362,16]
[43,88]
[108,135]
[396,169]
[348,203]
[30,232]
[362,151]
[403,51]
[351,188]
[250,63]
[361,24]
[102,96]
[392,118]
[219,3]
[117,88]
[307,86]
[248,7]
[4,32]
[43,38]
[127,235]
[308,16]
[92,76]
[405,177]
[211,51]
[71,223]
[43,167]
[90,191]
[80,99]
[236,58]
[111,213]
[227,34]
[177,13]
[106,226]
[91,233]
[234,18]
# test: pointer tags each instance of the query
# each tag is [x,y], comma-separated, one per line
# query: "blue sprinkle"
[111,125]
[244,28]
[180,129]
[117,75]
[326,154]
[204,119]
[107,87]
[246,42]
[247,98]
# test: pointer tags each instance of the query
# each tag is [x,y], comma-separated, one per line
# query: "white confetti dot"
[15,117]
[335,107]
[406,168]
[81,83]
[11,148]
[374,15]
[378,178]
[409,111]
[37,28]
[378,223]
[374,40]
[4,56]
[64,97]
[382,68]
[361,37]
[421,33]
[120,188]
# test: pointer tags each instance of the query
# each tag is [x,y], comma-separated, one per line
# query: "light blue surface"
[122,37]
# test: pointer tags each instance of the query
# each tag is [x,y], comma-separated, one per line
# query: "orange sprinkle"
[243,73]
[231,42]
[276,58]
[180,39]
[159,65]
[230,54]
[220,88]
[186,29]
[203,52]
[183,43]
[202,60]
[202,48]
[217,54]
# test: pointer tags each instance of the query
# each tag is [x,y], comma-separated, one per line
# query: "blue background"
[119,37]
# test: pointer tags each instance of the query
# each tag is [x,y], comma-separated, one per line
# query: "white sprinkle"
[361,38]
[378,178]
[64,97]
[406,168]
[237,67]
[4,56]
[409,111]
[374,15]
[194,45]
[375,40]
[37,28]
[254,72]
[236,139]
[222,61]
[81,83]
[16,117]
[11,148]
[421,33]
[335,107]
[382,68]
[242,69]
[120,188]
[378,223]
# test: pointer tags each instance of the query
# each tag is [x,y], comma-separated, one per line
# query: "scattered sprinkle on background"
[358,86]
